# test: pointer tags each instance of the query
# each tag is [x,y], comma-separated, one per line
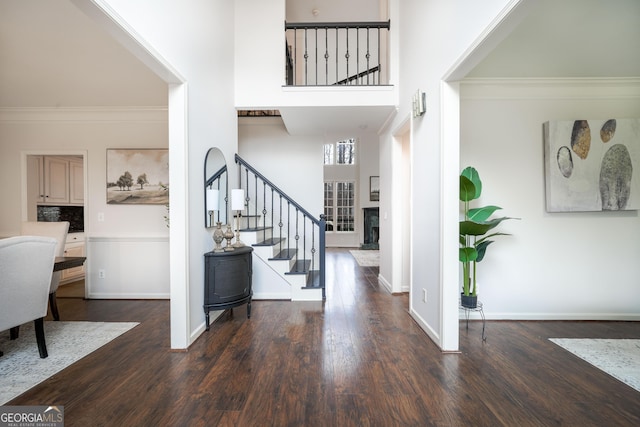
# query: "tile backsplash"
[73,214]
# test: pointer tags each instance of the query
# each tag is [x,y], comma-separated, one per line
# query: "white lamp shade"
[213,199]
[237,199]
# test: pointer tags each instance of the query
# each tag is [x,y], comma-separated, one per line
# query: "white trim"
[85,114]
[425,326]
[551,88]
[121,31]
[449,214]
[556,316]
[384,283]
[509,17]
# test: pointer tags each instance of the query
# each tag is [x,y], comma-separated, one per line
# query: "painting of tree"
[150,166]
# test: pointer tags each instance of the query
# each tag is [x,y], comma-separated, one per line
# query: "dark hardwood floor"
[356,360]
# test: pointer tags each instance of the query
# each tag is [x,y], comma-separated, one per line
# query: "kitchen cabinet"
[60,180]
[75,246]
[76,182]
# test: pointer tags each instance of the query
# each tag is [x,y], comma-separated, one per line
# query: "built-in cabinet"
[75,246]
[59,179]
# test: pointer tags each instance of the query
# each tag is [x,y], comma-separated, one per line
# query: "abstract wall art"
[592,165]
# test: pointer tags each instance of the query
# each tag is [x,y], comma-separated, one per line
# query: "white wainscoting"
[132,267]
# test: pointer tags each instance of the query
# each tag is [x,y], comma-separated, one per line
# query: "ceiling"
[52,55]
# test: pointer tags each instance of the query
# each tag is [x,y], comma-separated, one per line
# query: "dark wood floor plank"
[358,359]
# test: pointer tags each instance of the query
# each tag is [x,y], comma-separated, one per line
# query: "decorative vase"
[218,237]
[229,236]
[468,301]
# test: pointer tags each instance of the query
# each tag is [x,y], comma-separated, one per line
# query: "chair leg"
[14,333]
[54,306]
[42,345]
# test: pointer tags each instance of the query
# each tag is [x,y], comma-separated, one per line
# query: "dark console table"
[227,280]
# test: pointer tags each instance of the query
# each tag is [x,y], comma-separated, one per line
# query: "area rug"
[367,258]
[619,358]
[67,342]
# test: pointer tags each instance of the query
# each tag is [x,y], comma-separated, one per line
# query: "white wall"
[555,265]
[259,39]
[433,36]
[292,163]
[266,145]
[91,133]
[196,37]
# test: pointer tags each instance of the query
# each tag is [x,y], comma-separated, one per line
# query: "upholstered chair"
[26,267]
[59,231]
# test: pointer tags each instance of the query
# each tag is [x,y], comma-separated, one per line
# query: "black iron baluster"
[337,50]
[306,58]
[379,59]
[255,208]
[288,223]
[297,238]
[326,56]
[368,54]
[304,241]
[346,55]
[357,53]
[313,254]
[264,211]
[280,224]
[316,59]
[322,226]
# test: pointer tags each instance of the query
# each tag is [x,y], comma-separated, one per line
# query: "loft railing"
[268,207]
[337,53]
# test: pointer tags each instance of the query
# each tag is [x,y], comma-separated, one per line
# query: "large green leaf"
[467,254]
[472,175]
[471,228]
[467,189]
[482,214]
[482,248]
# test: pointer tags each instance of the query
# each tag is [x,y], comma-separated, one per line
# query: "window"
[345,152]
[339,205]
[328,154]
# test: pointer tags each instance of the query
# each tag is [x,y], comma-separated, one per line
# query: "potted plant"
[473,233]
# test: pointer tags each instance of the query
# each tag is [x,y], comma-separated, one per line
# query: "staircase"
[288,242]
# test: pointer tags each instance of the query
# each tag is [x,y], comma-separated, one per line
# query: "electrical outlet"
[424,295]
[101,274]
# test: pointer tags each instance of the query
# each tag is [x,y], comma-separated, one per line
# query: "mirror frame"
[215,173]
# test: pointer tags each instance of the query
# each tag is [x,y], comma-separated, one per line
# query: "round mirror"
[215,188]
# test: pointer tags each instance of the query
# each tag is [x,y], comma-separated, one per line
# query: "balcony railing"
[337,53]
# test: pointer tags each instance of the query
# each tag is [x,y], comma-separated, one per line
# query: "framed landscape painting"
[138,176]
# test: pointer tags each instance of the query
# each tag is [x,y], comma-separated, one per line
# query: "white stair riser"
[296,281]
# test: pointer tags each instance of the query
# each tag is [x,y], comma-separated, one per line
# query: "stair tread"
[313,280]
[256,229]
[300,267]
[269,242]
[285,255]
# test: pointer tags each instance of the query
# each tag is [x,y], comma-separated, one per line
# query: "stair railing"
[289,222]
[336,53]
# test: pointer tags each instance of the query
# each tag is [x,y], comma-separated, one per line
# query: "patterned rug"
[619,358]
[366,258]
[67,342]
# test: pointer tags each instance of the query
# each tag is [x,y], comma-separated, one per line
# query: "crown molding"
[550,88]
[84,114]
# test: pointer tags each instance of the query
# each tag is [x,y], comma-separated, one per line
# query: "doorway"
[54,190]
[401,205]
